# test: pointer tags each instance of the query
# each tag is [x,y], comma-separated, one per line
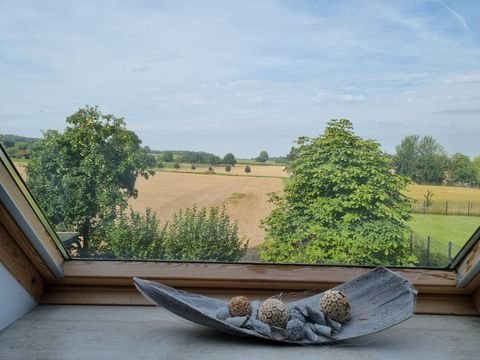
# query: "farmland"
[245,198]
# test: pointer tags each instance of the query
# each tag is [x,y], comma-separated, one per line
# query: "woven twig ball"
[335,305]
[274,313]
[239,306]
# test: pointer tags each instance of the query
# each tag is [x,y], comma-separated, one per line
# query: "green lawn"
[443,229]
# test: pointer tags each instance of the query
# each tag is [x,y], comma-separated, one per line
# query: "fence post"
[424,206]
[411,244]
[449,251]
[446,207]
[428,250]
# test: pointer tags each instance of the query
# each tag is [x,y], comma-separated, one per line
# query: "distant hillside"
[18,147]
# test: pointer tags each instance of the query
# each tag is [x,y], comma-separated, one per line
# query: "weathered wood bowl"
[379,299]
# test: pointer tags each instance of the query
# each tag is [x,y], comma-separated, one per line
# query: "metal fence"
[466,208]
[430,252]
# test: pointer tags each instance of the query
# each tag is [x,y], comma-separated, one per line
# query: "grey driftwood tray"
[379,299]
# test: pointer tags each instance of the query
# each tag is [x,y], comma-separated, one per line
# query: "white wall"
[14,299]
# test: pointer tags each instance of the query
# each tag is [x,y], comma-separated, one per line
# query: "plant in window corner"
[342,205]
[84,176]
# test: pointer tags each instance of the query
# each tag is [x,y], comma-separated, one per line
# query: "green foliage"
[133,236]
[462,170]
[176,165]
[476,164]
[84,176]
[247,169]
[263,157]
[168,156]
[422,159]
[203,235]
[229,159]
[17,147]
[193,167]
[160,164]
[342,205]
[228,168]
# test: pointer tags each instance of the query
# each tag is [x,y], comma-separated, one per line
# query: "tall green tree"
[262,157]
[343,204]
[462,170]
[422,159]
[84,176]
[229,159]
[476,164]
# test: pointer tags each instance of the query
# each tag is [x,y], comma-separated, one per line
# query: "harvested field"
[256,170]
[245,197]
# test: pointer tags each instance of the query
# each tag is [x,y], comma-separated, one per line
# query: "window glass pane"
[209,131]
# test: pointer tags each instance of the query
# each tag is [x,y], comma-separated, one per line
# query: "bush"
[247,169]
[160,165]
[228,168]
[193,167]
[210,168]
[176,165]
[203,235]
[132,236]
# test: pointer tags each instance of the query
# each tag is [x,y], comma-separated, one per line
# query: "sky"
[245,76]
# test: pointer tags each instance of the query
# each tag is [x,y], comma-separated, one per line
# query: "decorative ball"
[239,306]
[335,305]
[274,313]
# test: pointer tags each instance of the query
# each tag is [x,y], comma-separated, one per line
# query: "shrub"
[160,165]
[228,168]
[176,165]
[203,235]
[247,169]
[132,236]
[193,167]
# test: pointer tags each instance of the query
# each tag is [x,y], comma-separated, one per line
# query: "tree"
[462,170]
[476,164]
[263,157]
[168,156]
[422,159]
[203,235]
[176,165]
[84,176]
[343,204]
[228,168]
[247,169]
[229,159]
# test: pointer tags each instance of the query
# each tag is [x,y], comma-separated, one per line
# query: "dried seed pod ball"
[274,313]
[335,305]
[239,306]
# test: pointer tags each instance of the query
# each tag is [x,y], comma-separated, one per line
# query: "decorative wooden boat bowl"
[379,299]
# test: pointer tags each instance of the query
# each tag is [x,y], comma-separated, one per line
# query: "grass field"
[443,229]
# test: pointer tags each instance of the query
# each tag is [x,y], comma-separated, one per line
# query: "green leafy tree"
[247,169]
[263,157]
[193,166]
[422,159]
[203,235]
[229,159]
[176,165]
[342,205]
[462,170]
[168,156]
[131,236]
[84,176]
[476,164]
